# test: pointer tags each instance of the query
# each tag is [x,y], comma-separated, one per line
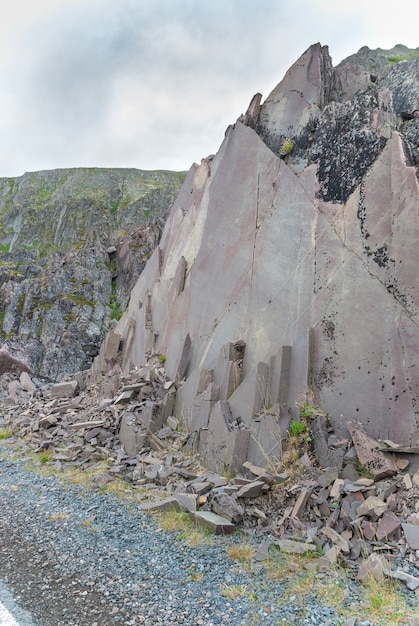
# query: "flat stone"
[82,425]
[186,501]
[262,553]
[260,472]
[388,525]
[329,558]
[26,382]
[200,488]
[226,506]
[328,476]
[338,540]
[301,502]
[111,347]
[411,533]
[372,505]
[215,479]
[368,529]
[252,490]
[379,464]
[64,390]
[337,489]
[407,481]
[411,581]
[375,565]
[295,547]
[168,504]
[215,523]
[124,395]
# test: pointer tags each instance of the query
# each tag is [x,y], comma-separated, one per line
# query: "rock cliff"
[287,269]
[72,245]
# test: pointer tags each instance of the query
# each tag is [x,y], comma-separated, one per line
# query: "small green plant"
[5,433]
[114,206]
[115,307]
[296,428]
[286,148]
[45,456]
[162,359]
[4,247]
[112,266]
[362,470]
[307,410]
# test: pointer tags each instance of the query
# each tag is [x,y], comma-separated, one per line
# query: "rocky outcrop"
[287,268]
[72,245]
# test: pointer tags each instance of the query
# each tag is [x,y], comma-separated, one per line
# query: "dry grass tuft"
[233,591]
[56,517]
[5,433]
[241,552]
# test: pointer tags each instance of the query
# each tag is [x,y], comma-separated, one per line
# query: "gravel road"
[75,557]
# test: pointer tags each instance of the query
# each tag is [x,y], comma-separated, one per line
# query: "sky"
[153,84]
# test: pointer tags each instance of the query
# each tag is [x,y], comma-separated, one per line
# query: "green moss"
[114,206]
[21,303]
[79,301]
[410,55]
[43,193]
[112,266]
[115,307]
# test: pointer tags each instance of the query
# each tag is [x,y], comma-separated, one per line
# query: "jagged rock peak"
[296,102]
[287,274]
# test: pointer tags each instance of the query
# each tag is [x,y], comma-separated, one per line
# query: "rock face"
[72,245]
[287,269]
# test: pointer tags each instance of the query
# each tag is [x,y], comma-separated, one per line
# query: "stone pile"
[126,421]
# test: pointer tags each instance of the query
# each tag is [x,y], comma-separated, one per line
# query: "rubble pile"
[362,513]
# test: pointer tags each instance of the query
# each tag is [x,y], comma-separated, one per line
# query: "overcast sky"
[153,84]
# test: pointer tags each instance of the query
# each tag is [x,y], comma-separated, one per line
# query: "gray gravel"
[75,557]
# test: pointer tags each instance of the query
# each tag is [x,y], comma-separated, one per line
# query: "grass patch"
[383,602]
[187,531]
[45,456]
[117,487]
[5,433]
[300,579]
[296,428]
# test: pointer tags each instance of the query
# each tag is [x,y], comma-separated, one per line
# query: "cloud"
[150,84]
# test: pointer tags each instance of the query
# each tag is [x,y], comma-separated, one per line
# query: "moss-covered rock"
[72,244]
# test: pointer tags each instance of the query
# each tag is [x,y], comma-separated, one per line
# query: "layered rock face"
[72,245]
[289,273]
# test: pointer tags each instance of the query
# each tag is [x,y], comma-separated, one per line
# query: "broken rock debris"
[123,428]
